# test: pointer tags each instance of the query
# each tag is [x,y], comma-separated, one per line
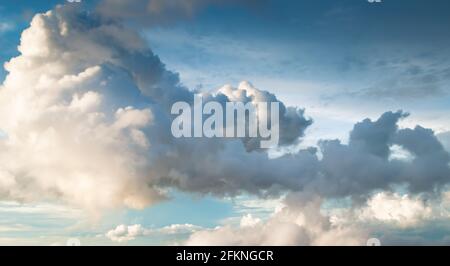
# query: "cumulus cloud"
[249,221]
[299,223]
[365,163]
[65,134]
[84,111]
[292,121]
[444,138]
[5,27]
[85,116]
[398,219]
[400,210]
[124,233]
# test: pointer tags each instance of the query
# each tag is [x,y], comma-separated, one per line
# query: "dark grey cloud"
[355,169]
[405,76]
[430,168]
[376,137]
[364,164]
[292,120]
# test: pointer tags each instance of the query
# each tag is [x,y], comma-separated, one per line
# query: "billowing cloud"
[65,134]
[123,233]
[403,211]
[85,116]
[299,223]
[249,221]
[84,113]
[304,220]
[292,121]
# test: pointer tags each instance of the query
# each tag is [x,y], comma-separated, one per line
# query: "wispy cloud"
[5,27]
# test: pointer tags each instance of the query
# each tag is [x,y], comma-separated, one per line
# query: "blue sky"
[342,61]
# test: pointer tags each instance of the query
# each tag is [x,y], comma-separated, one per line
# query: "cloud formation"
[85,118]
[65,134]
[299,223]
[402,211]
[305,221]
[123,233]
[72,129]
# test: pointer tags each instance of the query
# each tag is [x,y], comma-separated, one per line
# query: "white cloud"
[401,210]
[62,138]
[74,132]
[399,153]
[299,223]
[394,211]
[303,222]
[123,233]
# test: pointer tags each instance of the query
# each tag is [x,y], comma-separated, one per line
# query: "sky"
[85,93]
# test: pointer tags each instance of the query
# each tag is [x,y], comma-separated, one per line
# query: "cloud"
[14,228]
[177,229]
[304,220]
[151,12]
[398,219]
[406,88]
[299,223]
[123,233]
[85,121]
[365,165]
[85,111]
